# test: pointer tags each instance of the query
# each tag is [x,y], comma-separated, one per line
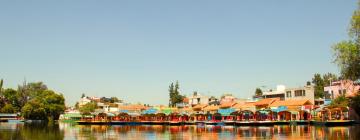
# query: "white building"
[196,99]
[84,101]
[305,92]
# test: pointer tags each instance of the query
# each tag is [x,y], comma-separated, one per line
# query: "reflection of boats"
[118,122]
[255,123]
[93,122]
[175,123]
[300,122]
[229,122]
[214,123]
[334,122]
[282,122]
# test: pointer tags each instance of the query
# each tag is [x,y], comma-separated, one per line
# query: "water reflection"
[68,131]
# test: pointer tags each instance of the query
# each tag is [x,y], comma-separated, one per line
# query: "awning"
[226,112]
[150,111]
[166,111]
[123,111]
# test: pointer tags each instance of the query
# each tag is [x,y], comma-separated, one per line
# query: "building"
[343,87]
[227,98]
[283,93]
[84,101]
[196,99]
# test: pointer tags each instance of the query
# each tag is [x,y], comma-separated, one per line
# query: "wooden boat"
[93,122]
[175,123]
[334,122]
[254,123]
[229,122]
[189,122]
[300,122]
[158,122]
[214,123]
[118,122]
[282,122]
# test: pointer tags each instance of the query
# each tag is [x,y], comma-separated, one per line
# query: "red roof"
[266,101]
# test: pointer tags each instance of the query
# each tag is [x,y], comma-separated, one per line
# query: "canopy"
[279,109]
[150,111]
[226,112]
[123,111]
[166,111]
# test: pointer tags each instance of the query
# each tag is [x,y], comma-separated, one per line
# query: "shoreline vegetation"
[32,101]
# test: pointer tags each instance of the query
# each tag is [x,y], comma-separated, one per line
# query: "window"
[344,91]
[303,94]
[288,93]
[299,93]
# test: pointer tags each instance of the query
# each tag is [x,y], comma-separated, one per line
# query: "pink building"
[343,87]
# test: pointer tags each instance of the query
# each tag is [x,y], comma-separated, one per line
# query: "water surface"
[67,131]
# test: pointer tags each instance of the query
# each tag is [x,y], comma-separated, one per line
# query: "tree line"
[33,101]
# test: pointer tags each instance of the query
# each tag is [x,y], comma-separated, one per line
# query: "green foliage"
[322,81]
[10,97]
[340,101]
[355,102]
[34,100]
[318,85]
[174,94]
[114,100]
[347,57]
[47,105]
[347,53]
[258,92]
[8,108]
[88,108]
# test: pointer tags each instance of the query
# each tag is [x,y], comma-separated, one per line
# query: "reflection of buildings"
[209,132]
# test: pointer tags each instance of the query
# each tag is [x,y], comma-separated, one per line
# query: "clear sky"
[134,49]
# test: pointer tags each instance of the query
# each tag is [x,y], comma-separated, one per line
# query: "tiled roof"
[292,102]
[246,105]
[199,106]
[211,108]
[227,104]
[132,107]
[266,101]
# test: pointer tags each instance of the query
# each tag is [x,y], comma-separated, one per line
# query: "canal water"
[67,131]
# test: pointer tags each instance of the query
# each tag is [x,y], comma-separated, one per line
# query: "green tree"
[88,108]
[10,96]
[347,57]
[347,53]
[171,94]
[318,86]
[8,108]
[329,77]
[114,99]
[174,93]
[258,92]
[340,101]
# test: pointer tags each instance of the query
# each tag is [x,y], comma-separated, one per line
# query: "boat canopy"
[150,111]
[226,112]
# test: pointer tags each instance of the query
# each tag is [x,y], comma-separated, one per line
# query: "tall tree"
[328,78]
[318,85]
[258,92]
[174,93]
[347,53]
[347,57]
[171,94]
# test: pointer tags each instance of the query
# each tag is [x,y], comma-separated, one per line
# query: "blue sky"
[134,49]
